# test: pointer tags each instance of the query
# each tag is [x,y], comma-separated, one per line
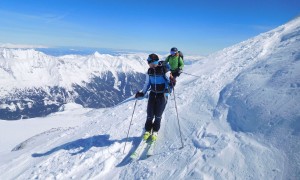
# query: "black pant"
[156,106]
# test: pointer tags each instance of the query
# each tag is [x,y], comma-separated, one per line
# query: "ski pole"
[129,126]
[191,74]
[177,117]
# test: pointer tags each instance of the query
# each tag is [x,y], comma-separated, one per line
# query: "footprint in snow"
[210,144]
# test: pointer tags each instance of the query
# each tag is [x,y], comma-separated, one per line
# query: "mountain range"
[34,84]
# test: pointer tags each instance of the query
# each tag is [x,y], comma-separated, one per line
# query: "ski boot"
[154,136]
[146,135]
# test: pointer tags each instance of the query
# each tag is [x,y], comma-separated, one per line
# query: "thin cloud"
[25,46]
[47,18]
[53,18]
[256,27]
[261,27]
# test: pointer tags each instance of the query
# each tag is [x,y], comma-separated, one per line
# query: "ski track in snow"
[212,150]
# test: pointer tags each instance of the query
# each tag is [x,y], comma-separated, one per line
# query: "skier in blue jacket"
[158,81]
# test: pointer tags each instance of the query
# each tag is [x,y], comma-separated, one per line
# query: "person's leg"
[150,112]
[160,105]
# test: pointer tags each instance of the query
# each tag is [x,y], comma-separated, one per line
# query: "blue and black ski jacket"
[157,79]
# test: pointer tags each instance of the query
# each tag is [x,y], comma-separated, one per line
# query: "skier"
[158,80]
[176,63]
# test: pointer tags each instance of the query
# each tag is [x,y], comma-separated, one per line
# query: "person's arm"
[167,76]
[167,59]
[145,88]
[181,63]
[146,84]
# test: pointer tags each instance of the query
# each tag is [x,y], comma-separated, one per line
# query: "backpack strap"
[178,61]
[165,66]
[179,58]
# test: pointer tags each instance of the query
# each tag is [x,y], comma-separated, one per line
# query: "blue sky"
[195,27]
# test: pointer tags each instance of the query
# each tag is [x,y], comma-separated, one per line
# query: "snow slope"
[238,110]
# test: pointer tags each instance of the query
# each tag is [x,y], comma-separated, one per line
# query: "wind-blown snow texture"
[238,110]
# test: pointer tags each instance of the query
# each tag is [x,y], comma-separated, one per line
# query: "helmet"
[174,49]
[153,58]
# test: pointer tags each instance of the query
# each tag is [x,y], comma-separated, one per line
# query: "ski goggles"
[152,61]
[173,52]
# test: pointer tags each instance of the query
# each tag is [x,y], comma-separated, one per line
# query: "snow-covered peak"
[97,54]
[27,68]
[21,54]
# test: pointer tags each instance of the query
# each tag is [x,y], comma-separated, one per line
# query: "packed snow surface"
[238,111]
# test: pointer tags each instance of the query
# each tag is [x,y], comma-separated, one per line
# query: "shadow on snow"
[85,144]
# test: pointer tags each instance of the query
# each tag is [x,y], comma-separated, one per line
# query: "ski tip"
[133,156]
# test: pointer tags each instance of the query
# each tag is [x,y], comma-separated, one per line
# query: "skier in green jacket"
[176,63]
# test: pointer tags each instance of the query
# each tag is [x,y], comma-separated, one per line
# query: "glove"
[178,71]
[139,94]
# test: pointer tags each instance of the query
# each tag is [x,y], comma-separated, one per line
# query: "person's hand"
[172,80]
[139,94]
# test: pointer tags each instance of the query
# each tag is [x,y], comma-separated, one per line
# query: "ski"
[150,151]
[146,147]
[152,143]
[139,150]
